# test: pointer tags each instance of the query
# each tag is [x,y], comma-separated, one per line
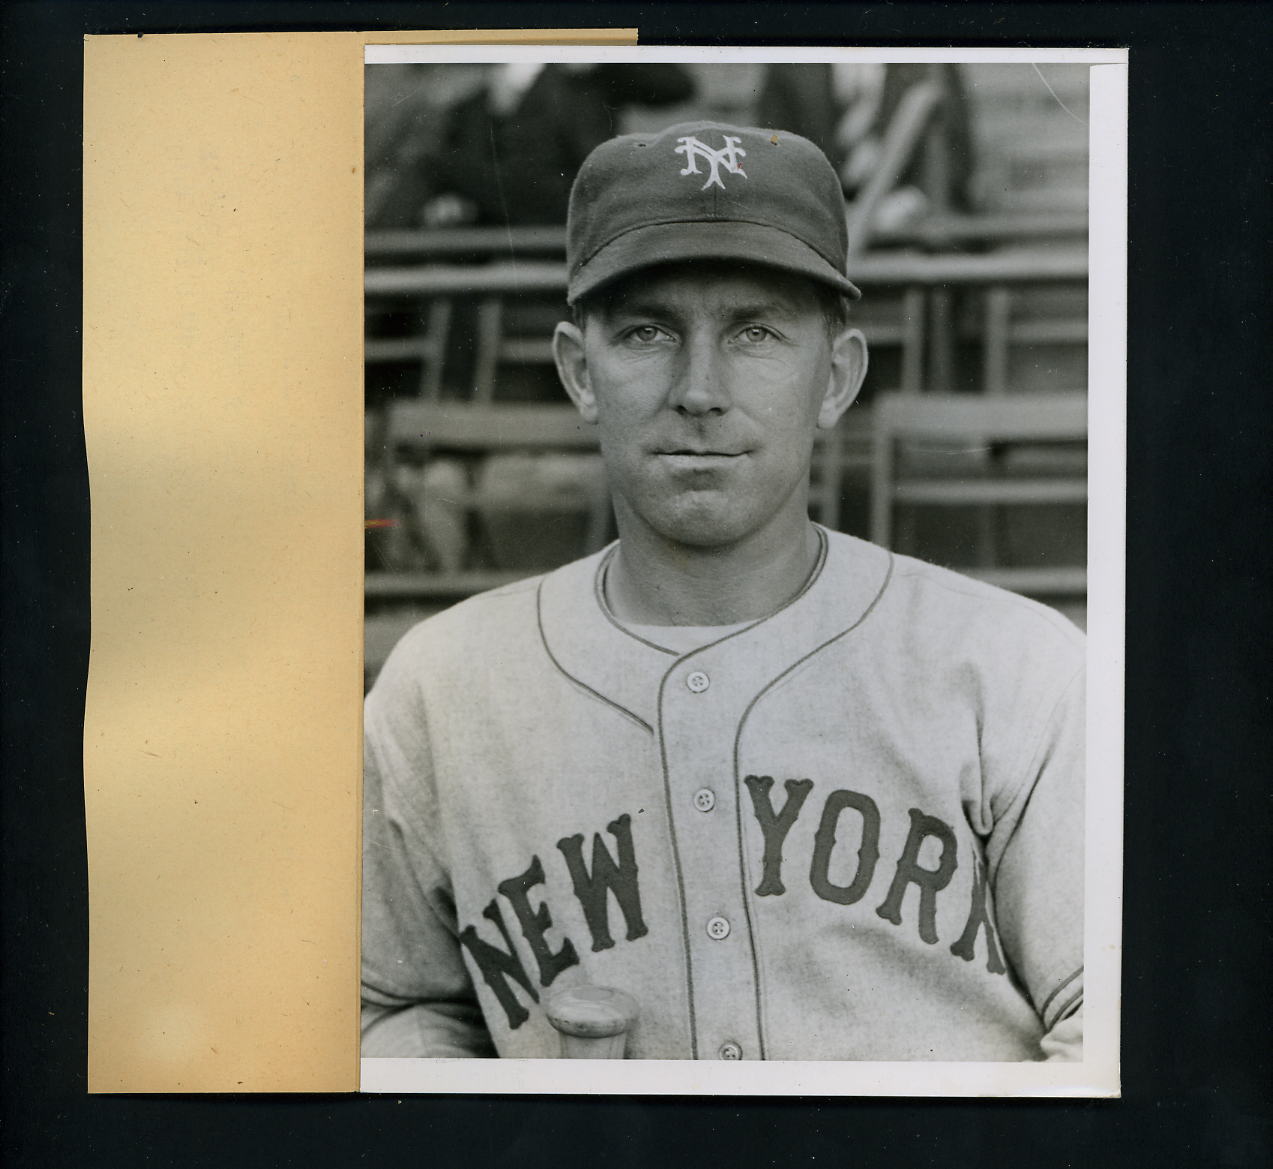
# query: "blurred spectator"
[847,108]
[510,150]
[405,111]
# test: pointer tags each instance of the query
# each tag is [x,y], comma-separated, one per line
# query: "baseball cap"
[706,191]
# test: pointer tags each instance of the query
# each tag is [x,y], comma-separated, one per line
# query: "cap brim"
[667,243]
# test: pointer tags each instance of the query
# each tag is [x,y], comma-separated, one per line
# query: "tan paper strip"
[223,422]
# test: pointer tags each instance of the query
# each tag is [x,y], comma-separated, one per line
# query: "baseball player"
[790,795]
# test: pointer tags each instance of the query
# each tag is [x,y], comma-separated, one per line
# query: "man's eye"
[755,334]
[646,334]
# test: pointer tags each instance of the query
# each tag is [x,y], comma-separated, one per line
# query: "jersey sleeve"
[417,997]
[1036,863]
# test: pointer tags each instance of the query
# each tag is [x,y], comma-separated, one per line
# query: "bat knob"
[593,1020]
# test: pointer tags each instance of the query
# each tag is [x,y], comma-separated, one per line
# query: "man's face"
[707,383]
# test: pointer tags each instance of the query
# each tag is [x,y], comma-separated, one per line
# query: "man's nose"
[700,384]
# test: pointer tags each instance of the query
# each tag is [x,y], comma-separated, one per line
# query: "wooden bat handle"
[593,1020]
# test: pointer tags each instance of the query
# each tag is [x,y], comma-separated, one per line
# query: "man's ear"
[572,368]
[848,371]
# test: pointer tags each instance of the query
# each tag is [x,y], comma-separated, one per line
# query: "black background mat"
[1196,1035]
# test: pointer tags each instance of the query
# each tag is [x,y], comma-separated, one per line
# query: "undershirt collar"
[683,639]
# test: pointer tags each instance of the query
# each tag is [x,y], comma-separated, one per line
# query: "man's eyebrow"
[633,306]
[773,306]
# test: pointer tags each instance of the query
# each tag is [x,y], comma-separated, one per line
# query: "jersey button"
[730,1050]
[698,681]
[717,928]
[704,799]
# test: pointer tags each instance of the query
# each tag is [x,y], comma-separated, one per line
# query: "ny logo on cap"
[728,156]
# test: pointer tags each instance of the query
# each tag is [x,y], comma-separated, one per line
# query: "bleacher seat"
[988,454]
[548,489]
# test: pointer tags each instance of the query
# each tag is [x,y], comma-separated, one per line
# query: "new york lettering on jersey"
[813,845]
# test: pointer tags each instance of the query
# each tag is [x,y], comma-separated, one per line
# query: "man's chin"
[703,527]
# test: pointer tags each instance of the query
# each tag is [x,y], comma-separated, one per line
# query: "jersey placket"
[701,703]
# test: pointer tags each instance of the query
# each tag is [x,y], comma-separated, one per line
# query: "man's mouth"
[694,453]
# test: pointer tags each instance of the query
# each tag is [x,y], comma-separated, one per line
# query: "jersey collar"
[590,647]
